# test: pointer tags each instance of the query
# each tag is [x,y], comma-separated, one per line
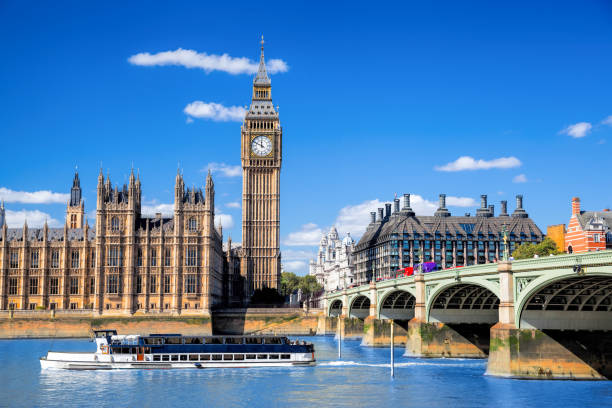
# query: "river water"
[361,378]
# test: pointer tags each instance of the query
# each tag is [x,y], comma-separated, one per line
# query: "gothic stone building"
[400,239]
[126,263]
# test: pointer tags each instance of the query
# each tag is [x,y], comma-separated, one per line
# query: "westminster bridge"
[547,317]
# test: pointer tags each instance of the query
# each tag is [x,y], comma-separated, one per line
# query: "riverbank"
[43,324]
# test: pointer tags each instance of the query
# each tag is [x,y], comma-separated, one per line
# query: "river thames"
[360,379]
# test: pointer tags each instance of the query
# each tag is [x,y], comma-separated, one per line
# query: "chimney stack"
[483,211]
[396,207]
[483,201]
[492,210]
[442,201]
[504,208]
[380,215]
[387,210]
[406,201]
[519,211]
[575,206]
[373,217]
[519,201]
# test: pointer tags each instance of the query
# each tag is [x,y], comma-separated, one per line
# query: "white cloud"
[460,201]
[298,267]
[296,261]
[607,121]
[225,169]
[35,197]
[215,111]
[226,220]
[233,205]
[167,210]
[578,130]
[206,62]
[521,178]
[309,234]
[189,120]
[469,163]
[35,219]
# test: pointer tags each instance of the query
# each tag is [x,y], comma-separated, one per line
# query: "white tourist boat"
[115,351]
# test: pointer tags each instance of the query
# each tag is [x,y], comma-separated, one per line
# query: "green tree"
[289,282]
[528,250]
[309,285]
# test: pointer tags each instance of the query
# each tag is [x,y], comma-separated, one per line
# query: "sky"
[375,99]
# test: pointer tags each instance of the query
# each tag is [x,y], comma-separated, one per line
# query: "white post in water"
[392,356]
[339,338]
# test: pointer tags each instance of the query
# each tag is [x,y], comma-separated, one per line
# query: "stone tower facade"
[261,153]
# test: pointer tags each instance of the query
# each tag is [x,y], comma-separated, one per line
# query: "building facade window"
[139,284]
[113,256]
[74,285]
[139,257]
[167,284]
[191,258]
[153,257]
[190,283]
[33,286]
[34,258]
[55,258]
[115,224]
[92,286]
[13,286]
[153,284]
[168,257]
[92,259]
[74,259]
[14,261]
[54,286]
[112,285]
[193,224]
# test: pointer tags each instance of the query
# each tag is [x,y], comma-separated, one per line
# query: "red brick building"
[588,230]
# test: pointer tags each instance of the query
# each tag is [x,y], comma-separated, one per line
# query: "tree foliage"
[529,250]
[290,282]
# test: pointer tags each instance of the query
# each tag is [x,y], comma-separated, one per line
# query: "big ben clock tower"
[261,153]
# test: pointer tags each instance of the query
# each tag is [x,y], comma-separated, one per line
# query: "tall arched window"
[115,224]
[193,224]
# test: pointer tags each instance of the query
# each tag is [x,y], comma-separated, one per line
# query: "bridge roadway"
[548,317]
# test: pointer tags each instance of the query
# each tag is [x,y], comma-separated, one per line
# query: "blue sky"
[375,99]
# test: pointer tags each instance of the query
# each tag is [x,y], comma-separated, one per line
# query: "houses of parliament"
[131,263]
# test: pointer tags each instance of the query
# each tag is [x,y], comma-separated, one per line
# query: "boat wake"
[339,363]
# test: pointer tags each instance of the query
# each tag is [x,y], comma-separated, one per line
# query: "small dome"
[323,240]
[348,240]
[333,233]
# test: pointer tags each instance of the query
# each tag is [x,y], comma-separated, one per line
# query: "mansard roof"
[456,227]
[53,234]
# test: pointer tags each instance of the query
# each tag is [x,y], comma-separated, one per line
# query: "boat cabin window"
[165,357]
[214,340]
[174,357]
[233,340]
[238,356]
[273,340]
[216,357]
[262,356]
[173,340]
[183,357]
[204,357]
[228,356]
[252,340]
[104,333]
[193,340]
[285,357]
[273,356]
[250,356]
[156,357]
[193,357]
[153,340]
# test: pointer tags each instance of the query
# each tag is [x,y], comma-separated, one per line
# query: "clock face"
[261,146]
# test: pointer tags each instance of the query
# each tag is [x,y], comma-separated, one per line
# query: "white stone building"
[334,267]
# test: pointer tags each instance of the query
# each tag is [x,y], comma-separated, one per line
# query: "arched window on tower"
[73,223]
[193,224]
[115,224]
